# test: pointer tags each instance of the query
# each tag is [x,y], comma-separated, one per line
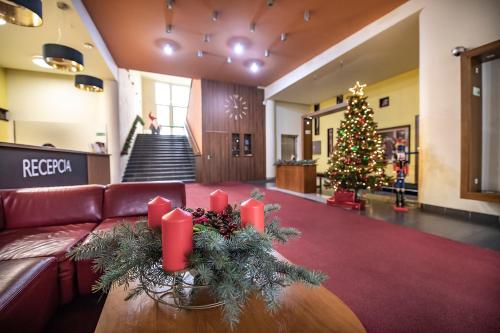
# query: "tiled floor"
[461,230]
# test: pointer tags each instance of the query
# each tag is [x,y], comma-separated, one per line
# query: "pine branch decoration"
[234,265]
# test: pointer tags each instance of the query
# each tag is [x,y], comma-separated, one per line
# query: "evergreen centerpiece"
[358,160]
[231,260]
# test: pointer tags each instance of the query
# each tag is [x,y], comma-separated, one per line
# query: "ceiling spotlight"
[238,48]
[39,61]
[168,49]
[252,27]
[267,53]
[170,4]
[254,67]
[206,38]
[89,46]
[229,60]
[200,54]
[283,36]
[215,15]
[21,12]
[169,28]
[307,15]
[270,3]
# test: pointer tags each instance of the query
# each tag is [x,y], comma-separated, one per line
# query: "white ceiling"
[20,44]
[392,52]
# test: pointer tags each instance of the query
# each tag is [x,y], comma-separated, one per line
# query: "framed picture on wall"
[390,136]
[340,99]
[316,147]
[316,126]
[383,102]
[330,142]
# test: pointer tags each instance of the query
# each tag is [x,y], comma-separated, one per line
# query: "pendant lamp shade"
[63,57]
[27,13]
[89,83]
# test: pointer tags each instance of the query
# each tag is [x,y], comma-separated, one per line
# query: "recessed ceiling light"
[168,49]
[254,67]
[88,46]
[229,60]
[238,48]
[2,21]
[39,61]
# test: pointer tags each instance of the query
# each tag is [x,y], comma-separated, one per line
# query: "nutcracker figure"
[400,166]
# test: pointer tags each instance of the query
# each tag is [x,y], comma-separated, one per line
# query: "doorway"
[288,147]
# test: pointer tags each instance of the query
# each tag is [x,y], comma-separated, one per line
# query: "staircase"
[160,157]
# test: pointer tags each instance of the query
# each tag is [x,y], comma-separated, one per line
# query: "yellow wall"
[403,92]
[4,125]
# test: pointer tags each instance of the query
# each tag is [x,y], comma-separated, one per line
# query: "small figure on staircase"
[155,129]
[400,165]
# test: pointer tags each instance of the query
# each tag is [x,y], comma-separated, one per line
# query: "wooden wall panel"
[219,165]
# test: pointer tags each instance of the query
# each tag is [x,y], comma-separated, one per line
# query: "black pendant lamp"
[89,83]
[27,13]
[63,57]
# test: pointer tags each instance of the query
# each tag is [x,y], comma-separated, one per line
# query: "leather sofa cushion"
[86,277]
[53,241]
[39,207]
[131,199]
[28,293]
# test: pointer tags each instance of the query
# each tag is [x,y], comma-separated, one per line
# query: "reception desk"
[24,166]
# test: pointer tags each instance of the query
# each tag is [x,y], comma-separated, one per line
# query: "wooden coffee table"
[303,309]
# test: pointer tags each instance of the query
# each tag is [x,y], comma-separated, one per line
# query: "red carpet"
[394,278]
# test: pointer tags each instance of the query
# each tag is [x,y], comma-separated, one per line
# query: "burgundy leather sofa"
[37,229]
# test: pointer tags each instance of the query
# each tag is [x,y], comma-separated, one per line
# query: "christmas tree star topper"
[358,89]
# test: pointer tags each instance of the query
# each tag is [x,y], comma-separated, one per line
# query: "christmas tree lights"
[358,159]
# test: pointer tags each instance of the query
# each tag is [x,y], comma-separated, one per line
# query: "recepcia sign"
[21,167]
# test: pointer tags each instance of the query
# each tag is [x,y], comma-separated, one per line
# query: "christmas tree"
[358,160]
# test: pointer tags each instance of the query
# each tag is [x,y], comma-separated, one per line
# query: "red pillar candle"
[218,201]
[156,209]
[252,213]
[176,239]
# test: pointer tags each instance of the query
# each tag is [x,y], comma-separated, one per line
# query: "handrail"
[192,140]
[130,136]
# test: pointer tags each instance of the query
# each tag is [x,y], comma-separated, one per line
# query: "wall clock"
[236,106]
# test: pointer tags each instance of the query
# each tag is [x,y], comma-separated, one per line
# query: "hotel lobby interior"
[249,166]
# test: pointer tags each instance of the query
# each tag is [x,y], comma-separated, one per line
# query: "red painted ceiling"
[134,31]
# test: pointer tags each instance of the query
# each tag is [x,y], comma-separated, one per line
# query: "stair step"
[163,157]
[160,173]
[166,153]
[142,179]
[161,167]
